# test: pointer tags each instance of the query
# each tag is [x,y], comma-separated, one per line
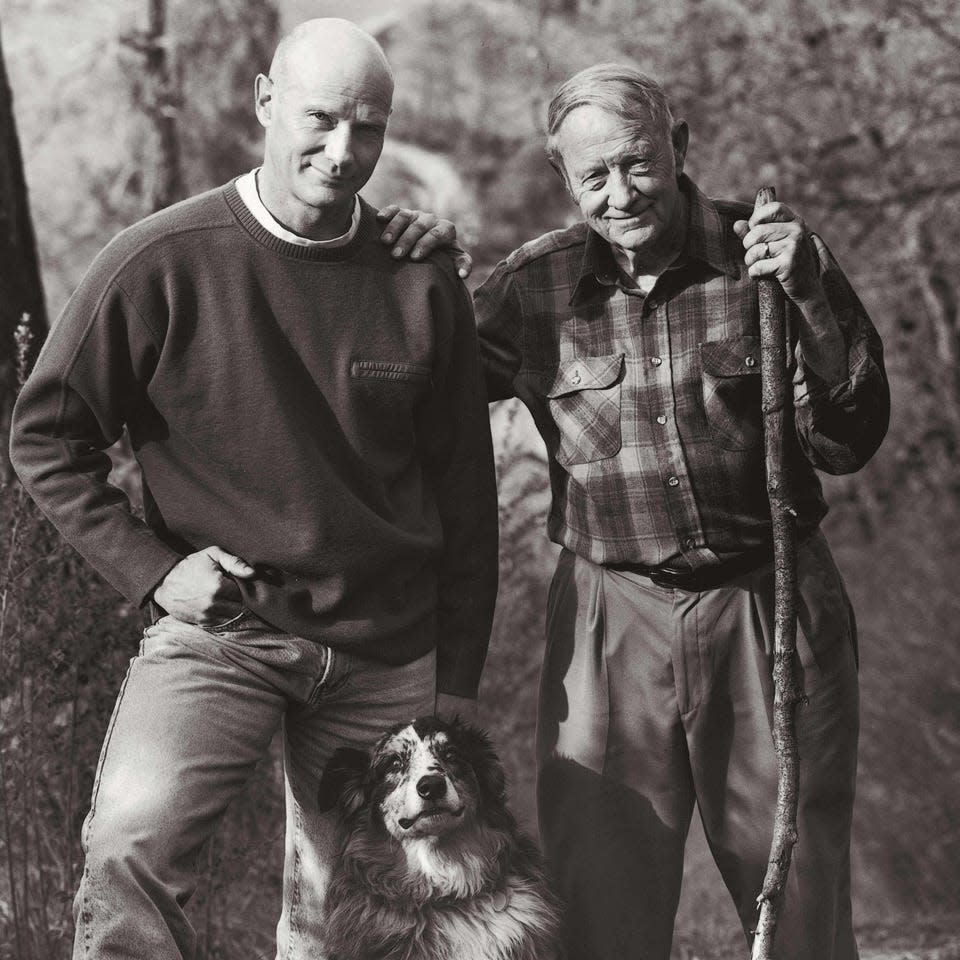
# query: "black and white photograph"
[479,480]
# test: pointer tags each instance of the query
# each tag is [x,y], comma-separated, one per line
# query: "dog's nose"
[432,787]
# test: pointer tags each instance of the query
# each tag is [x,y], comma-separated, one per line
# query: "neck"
[644,264]
[314,223]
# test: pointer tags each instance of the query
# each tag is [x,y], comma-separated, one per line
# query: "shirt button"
[656,361]
[575,376]
[689,543]
[673,481]
[750,361]
[661,419]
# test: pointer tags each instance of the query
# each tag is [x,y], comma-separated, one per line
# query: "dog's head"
[427,778]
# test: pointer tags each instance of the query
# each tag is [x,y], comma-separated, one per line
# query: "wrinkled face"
[423,784]
[323,137]
[623,176]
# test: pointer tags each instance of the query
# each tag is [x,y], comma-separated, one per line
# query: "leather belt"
[704,578]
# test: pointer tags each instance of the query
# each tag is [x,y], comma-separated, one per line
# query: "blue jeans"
[196,712]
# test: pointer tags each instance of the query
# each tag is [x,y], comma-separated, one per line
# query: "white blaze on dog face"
[424,788]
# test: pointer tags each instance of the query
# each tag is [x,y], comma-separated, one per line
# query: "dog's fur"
[431,863]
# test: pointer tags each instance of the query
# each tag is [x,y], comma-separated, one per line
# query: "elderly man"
[632,337]
[320,533]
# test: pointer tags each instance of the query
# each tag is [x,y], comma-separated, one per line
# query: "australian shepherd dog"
[431,863]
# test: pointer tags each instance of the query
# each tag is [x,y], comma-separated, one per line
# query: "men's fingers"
[236,566]
[782,234]
[417,240]
[398,222]
[441,235]
[228,593]
[462,261]
[765,213]
[417,234]
[763,268]
[388,212]
[765,250]
[775,212]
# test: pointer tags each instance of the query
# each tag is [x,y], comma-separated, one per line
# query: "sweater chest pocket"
[391,371]
[584,401]
[731,391]
[385,395]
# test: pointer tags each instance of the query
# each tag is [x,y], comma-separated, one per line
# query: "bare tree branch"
[934,25]
[899,197]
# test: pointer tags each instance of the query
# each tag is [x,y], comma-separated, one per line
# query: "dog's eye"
[450,755]
[393,763]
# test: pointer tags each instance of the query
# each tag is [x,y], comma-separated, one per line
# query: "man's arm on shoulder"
[499,311]
[416,234]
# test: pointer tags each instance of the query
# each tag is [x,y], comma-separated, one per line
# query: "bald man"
[318,550]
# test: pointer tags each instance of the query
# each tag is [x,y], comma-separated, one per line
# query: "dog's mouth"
[430,813]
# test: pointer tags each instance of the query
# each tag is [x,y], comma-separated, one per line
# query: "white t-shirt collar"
[247,188]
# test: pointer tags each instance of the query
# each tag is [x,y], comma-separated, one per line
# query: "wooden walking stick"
[777,405]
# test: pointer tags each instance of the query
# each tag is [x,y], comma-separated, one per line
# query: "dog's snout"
[432,787]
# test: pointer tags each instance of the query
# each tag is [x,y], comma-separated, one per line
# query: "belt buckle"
[665,577]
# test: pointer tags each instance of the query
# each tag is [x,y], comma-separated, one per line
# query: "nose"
[432,787]
[620,191]
[338,147]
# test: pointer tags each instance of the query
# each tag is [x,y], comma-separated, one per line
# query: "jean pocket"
[730,372]
[228,625]
[584,401]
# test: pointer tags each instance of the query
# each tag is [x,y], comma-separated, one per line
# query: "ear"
[560,171]
[478,750]
[263,92]
[342,781]
[680,137]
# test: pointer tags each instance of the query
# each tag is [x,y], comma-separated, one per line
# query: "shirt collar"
[706,241]
[250,194]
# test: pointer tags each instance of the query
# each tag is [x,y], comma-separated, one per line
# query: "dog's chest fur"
[490,927]
[510,924]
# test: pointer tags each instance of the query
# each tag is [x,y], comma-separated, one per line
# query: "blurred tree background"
[851,107]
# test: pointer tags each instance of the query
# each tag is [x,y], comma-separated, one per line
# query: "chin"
[430,861]
[640,237]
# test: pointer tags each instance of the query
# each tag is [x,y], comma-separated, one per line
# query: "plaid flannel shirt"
[650,405]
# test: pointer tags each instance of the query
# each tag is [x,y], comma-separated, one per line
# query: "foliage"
[63,642]
[65,635]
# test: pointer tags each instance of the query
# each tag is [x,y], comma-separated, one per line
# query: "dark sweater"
[317,411]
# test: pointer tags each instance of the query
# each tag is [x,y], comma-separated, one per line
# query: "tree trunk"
[159,99]
[168,184]
[22,300]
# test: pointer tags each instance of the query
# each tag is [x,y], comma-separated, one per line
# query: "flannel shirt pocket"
[731,391]
[584,399]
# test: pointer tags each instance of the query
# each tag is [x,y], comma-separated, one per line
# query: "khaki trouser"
[654,699]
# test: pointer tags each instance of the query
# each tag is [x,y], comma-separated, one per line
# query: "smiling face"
[623,176]
[325,109]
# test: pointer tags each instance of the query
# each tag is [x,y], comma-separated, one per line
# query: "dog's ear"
[478,750]
[342,780]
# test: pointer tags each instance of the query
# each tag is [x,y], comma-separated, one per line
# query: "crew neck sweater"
[317,411]
[250,195]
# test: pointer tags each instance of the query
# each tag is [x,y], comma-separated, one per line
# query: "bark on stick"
[776,401]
